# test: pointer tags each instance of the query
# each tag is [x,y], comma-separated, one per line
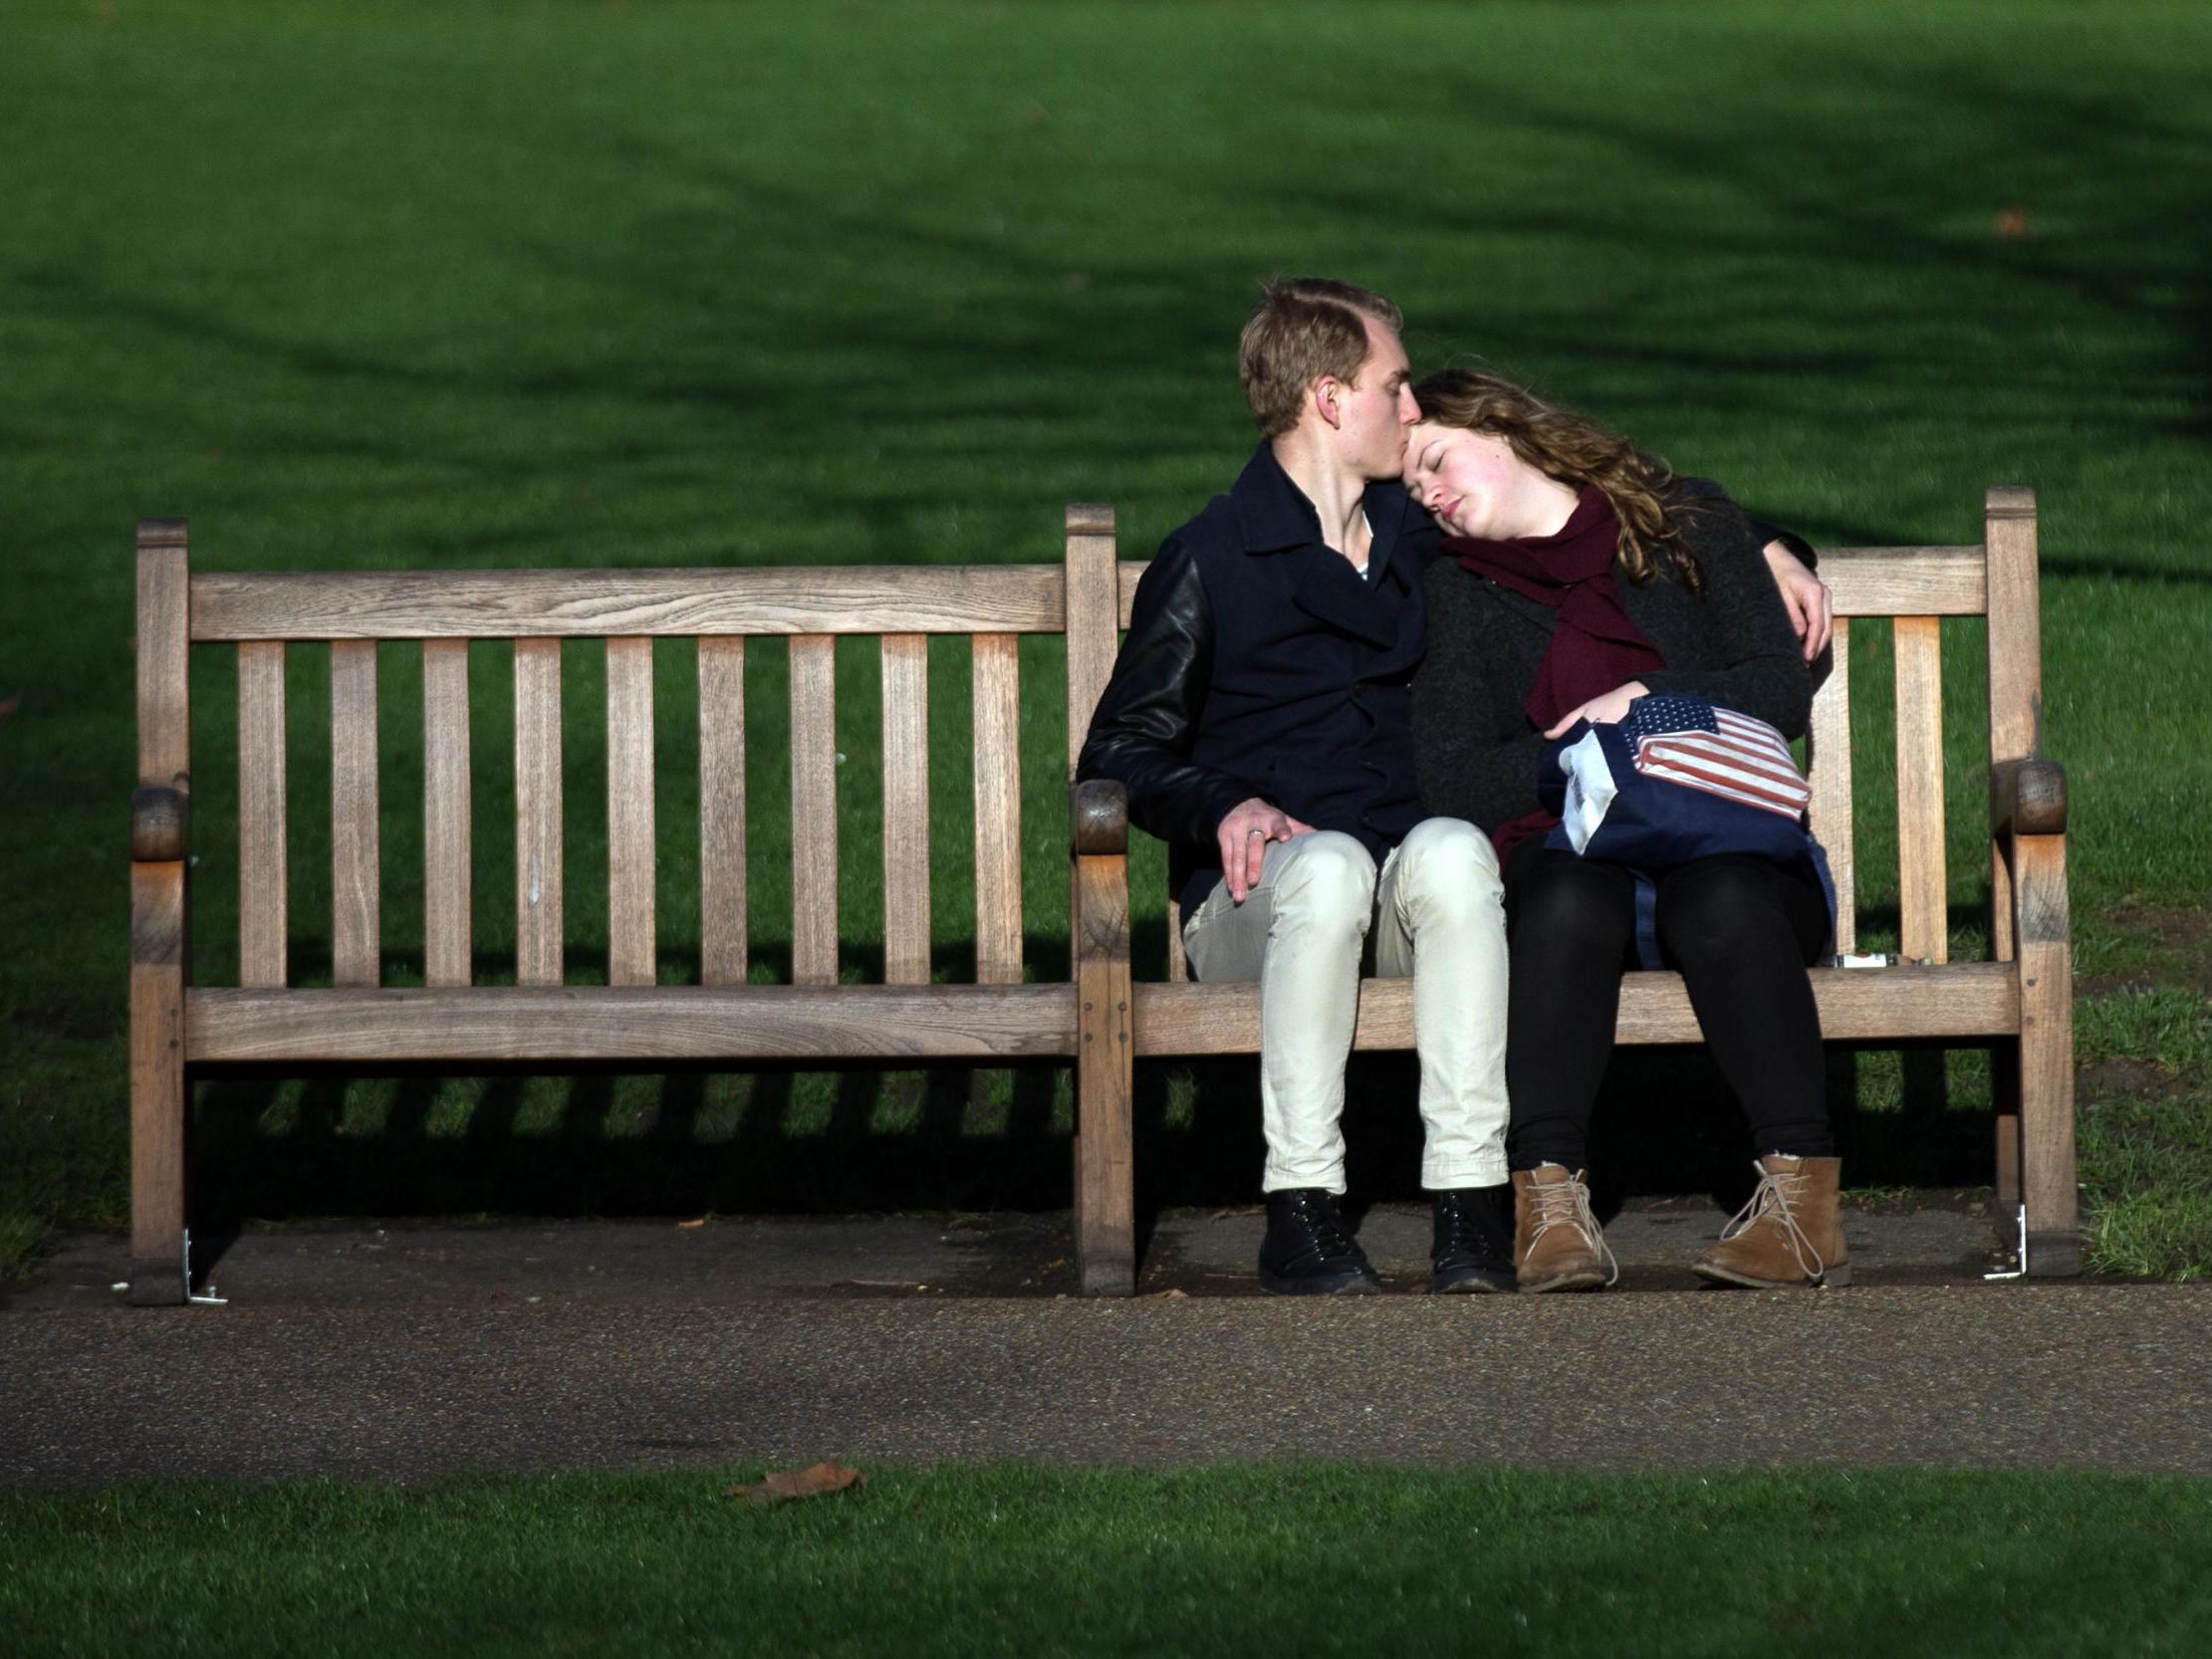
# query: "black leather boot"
[1309,1251]
[1472,1251]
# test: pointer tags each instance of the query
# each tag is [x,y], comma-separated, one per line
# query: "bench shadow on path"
[605,1142]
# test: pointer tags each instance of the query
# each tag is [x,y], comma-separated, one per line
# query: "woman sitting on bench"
[1578,576]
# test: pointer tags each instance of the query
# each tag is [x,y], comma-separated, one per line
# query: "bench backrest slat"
[631,948]
[814,810]
[1096,616]
[164,688]
[1924,902]
[262,922]
[723,943]
[357,949]
[1906,581]
[447,886]
[1866,582]
[538,891]
[2014,666]
[480,605]
[996,673]
[905,696]
[1828,753]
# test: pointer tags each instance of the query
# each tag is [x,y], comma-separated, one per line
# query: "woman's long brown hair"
[1564,445]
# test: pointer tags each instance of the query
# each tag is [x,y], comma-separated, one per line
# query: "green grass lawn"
[1027,1561]
[608,284]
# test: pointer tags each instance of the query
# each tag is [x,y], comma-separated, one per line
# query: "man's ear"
[1329,399]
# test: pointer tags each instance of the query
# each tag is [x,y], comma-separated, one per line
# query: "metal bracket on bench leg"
[2020,1219]
[211,1299]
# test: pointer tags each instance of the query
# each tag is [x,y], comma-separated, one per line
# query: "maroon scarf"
[1594,645]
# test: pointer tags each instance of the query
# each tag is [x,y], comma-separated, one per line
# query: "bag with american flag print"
[1679,779]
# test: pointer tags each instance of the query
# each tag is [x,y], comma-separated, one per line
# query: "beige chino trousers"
[1437,913]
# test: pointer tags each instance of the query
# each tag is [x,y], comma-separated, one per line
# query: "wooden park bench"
[1097,1020]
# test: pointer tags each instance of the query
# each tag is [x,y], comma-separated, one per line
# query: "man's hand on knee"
[1243,838]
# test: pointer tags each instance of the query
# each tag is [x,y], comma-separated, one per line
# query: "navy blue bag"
[1679,779]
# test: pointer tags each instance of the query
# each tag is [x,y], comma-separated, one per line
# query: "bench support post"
[1105,1188]
[1098,925]
[2028,830]
[159,1272]
[2045,1069]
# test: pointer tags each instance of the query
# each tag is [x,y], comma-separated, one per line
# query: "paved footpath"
[409,1354]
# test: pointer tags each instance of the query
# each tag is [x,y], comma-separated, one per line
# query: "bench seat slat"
[550,1024]
[1975,998]
[513,604]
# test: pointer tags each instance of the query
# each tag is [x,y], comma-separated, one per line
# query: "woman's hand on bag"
[1609,710]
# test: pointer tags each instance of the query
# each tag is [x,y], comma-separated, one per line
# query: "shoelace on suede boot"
[1776,1200]
[1567,1204]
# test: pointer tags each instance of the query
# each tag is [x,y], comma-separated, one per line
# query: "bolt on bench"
[2019,1003]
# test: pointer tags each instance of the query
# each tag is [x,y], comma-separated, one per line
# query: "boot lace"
[1777,1196]
[1322,1229]
[1460,1227]
[1567,1204]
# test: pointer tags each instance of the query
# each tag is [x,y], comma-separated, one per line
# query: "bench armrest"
[2027,797]
[158,824]
[1098,815]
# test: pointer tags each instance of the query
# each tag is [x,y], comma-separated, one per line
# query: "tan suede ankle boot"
[1557,1242]
[1789,1235]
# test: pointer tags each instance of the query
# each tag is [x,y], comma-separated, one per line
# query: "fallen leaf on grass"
[8,706]
[815,1480]
[2012,224]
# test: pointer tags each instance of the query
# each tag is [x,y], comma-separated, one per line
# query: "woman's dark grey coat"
[1475,751]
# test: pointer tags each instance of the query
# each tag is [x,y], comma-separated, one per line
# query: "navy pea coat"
[1260,663]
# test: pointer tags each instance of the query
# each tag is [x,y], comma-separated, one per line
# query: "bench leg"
[1105,1191]
[2003,1090]
[2046,956]
[158,1100]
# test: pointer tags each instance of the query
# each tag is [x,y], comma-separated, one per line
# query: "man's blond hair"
[1305,329]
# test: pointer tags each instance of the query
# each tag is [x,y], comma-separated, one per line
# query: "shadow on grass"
[971,349]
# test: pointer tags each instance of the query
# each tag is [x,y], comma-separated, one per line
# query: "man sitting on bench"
[1260,716]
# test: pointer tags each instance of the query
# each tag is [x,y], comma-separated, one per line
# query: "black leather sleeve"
[1143,732]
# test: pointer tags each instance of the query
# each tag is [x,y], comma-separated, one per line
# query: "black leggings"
[1741,930]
